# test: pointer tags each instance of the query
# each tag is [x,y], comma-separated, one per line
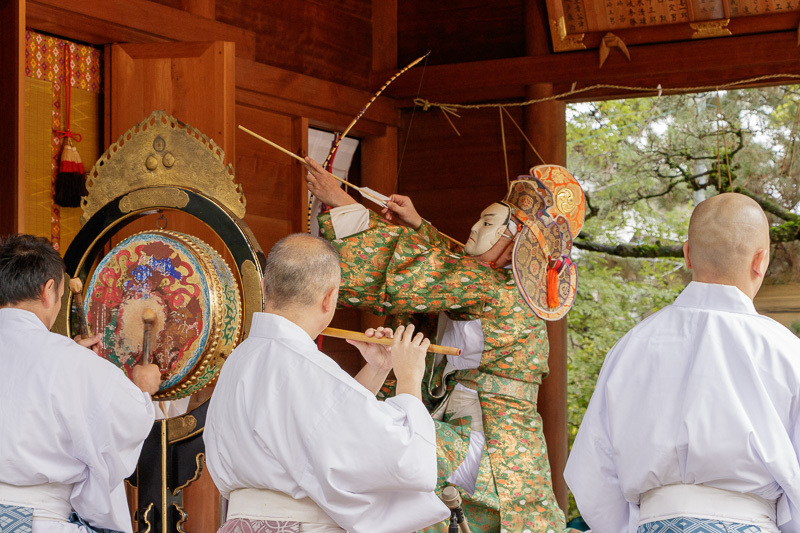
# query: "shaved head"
[726,233]
[299,270]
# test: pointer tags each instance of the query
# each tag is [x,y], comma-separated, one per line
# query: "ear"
[760,263]
[686,255]
[47,289]
[329,299]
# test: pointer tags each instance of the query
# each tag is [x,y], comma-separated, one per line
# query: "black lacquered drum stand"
[172,457]
[173,453]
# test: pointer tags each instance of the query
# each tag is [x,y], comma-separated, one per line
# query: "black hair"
[27,263]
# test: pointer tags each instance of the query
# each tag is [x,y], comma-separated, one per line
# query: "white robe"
[286,417]
[705,391]
[67,416]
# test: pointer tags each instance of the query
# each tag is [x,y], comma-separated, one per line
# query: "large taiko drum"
[196,302]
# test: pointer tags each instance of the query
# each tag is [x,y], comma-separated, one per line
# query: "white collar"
[716,297]
[272,326]
[22,315]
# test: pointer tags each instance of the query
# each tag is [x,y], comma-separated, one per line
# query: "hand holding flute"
[406,356]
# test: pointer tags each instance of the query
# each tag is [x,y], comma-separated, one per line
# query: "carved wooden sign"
[581,24]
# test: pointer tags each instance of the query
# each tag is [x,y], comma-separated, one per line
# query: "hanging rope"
[411,120]
[505,151]
[427,104]
[524,136]
[66,133]
[445,111]
[792,146]
[724,135]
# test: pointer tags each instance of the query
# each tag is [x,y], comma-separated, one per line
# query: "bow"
[335,147]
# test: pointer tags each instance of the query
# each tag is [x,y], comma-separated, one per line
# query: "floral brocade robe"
[394,270]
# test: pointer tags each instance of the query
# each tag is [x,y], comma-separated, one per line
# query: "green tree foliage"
[644,163]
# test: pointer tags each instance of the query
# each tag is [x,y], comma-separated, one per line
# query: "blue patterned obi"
[695,525]
[14,519]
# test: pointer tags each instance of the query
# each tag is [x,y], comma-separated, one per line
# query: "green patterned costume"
[395,270]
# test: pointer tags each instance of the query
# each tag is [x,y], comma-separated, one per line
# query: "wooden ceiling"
[493,51]
[480,51]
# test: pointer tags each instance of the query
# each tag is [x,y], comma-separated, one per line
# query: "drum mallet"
[148,317]
[75,287]
[452,499]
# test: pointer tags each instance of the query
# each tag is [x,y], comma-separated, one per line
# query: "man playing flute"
[297,444]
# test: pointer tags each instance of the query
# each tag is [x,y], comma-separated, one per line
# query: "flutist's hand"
[378,358]
[324,186]
[147,378]
[376,355]
[93,342]
[408,359]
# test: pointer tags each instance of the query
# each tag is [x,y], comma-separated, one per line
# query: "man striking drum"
[71,424]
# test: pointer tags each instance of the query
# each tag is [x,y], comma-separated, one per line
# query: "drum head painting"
[195,299]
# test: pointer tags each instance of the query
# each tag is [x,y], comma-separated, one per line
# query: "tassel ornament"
[553,269]
[71,177]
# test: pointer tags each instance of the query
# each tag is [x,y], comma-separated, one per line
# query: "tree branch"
[631,250]
[769,205]
[786,232]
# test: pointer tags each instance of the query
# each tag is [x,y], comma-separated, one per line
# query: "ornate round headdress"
[568,198]
[548,210]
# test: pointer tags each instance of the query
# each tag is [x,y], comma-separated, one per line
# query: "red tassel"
[552,285]
[71,177]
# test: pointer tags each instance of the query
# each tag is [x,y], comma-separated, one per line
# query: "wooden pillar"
[12,95]
[546,127]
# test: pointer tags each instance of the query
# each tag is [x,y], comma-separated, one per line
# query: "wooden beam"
[323,102]
[12,93]
[681,65]
[135,21]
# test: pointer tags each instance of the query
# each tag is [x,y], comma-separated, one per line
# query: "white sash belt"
[265,504]
[701,501]
[49,501]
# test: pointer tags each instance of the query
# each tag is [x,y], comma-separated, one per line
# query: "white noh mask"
[488,230]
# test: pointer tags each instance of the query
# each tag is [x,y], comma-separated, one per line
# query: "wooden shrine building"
[281,67]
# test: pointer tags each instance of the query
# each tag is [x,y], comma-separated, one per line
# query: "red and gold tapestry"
[45,116]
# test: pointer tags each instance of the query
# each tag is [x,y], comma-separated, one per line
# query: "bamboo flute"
[358,336]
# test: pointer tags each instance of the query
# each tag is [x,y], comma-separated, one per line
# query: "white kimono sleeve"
[370,460]
[118,418]
[591,473]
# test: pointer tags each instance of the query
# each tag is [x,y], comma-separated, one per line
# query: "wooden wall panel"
[272,181]
[204,8]
[452,178]
[12,90]
[324,103]
[460,31]
[132,21]
[194,82]
[327,40]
